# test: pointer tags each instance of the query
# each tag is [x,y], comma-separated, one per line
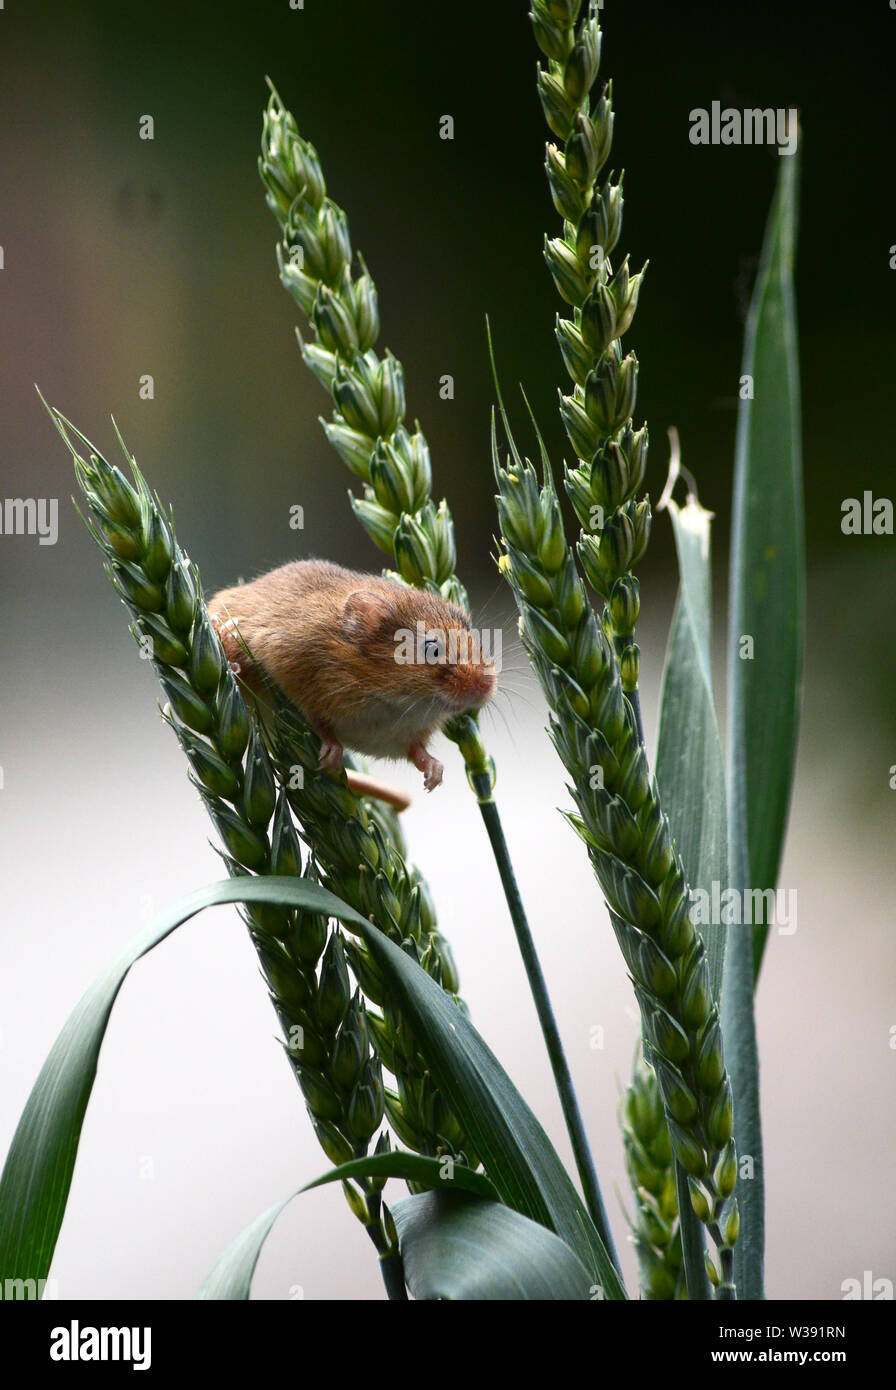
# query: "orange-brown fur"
[327,637]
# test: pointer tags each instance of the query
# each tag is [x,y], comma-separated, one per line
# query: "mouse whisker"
[515,671]
[495,710]
[519,696]
[482,607]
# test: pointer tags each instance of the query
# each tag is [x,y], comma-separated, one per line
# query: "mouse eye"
[434,650]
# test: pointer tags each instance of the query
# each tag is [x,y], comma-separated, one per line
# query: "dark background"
[125,257]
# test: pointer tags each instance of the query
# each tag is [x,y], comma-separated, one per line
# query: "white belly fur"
[387,730]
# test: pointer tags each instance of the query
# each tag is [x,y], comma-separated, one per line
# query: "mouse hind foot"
[430,767]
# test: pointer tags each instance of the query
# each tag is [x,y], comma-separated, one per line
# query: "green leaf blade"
[37,1175]
[437,1174]
[515,1150]
[231,1276]
[767,584]
[690,773]
[523,1165]
[690,765]
[766,603]
[461,1247]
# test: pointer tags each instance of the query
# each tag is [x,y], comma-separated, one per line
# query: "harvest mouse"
[372,664]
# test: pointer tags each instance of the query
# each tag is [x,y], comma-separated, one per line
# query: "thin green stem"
[392,1268]
[726,1292]
[571,1111]
[692,1246]
[391,1263]
[634,699]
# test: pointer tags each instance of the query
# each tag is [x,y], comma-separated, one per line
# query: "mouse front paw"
[430,767]
[228,635]
[330,754]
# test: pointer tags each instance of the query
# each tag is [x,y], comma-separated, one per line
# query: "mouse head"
[420,645]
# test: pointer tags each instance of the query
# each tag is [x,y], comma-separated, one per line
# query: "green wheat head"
[649,1162]
[367,427]
[611,454]
[336,1044]
[588,670]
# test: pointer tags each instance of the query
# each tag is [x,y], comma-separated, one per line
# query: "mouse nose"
[485,685]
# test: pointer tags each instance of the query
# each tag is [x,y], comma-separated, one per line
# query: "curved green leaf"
[766,605]
[767,581]
[231,1277]
[438,1174]
[38,1171]
[690,767]
[516,1153]
[460,1247]
[690,773]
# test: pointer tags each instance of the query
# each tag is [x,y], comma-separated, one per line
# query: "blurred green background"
[124,257]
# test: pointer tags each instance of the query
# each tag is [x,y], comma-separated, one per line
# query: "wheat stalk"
[650,1165]
[396,509]
[621,820]
[589,672]
[360,852]
[335,1044]
[367,428]
[611,455]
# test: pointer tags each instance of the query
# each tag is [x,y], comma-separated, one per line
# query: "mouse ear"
[364,612]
